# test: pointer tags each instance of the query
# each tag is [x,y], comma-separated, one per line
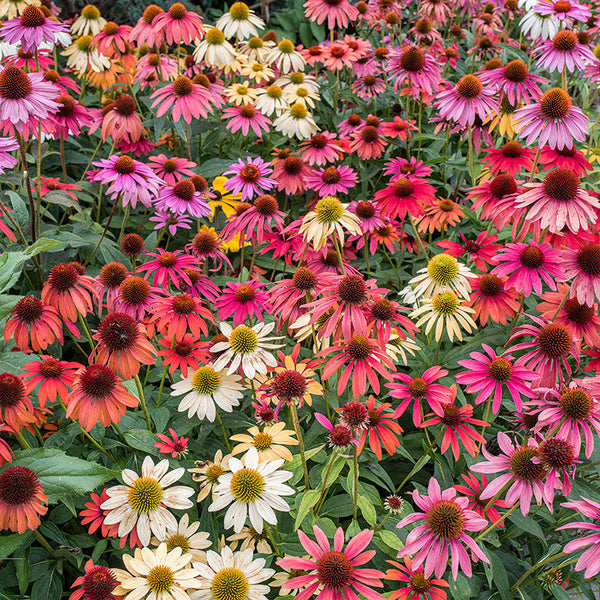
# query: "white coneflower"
[240,22]
[81,54]
[443,272]
[207,474]
[270,442]
[398,346]
[187,537]
[296,121]
[143,502]
[256,49]
[156,574]
[539,26]
[214,49]
[250,538]
[296,79]
[444,312]
[9,9]
[89,22]
[256,71]
[241,93]
[329,217]
[270,100]
[299,94]
[232,576]
[246,347]
[252,490]
[286,58]
[206,387]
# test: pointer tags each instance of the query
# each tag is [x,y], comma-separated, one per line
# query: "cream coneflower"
[256,71]
[256,49]
[270,100]
[156,574]
[205,388]
[445,312]
[89,22]
[240,22]
[232,576]
[143,502]
[187,537]
[241,93]
[82,54]
[397,346]
[214,49]
[207,474]
[246,347]
[329,217]
[285,57]
[298,94]
[10,9]
[250,538]
[443,272]
[296,121]
[270,443]
[253,489]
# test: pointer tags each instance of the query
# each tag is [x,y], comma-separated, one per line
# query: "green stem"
[495,524]
[140,390]
[225,436]
[535,567]
[325,479]
[355,486]
[338,250]
[162,384]
[420,462]
[88,333]
[296,422]
[43,542]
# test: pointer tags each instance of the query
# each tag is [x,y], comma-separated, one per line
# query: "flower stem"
[537,565]
[495,524]
[338,250]
[138,383]
[162,384]
[225,436]
[420,461]
[355,486]
[296,422]
[325,479]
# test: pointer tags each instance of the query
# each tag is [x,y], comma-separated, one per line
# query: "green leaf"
[367,509]
[62,199]
[529,525]
[461,588]
[62,475]
[10,543]
[389,538]
[213,167]
[499,577]
[48,588]
[309,499]
[560,593]
[141,439]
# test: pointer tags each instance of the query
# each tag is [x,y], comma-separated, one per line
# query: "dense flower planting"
[300,306]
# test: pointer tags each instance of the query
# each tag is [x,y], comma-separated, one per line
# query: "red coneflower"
[492,299]
[21,499]
[176,315]
[93,516]
[413,585]
[175,445]
[403,195]
[97,583]
[54,376]
[380,429]
[184,353]
[473,490]
[32,321]
[481,250]
[511,159]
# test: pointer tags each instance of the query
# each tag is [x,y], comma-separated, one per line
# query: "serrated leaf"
[309,499]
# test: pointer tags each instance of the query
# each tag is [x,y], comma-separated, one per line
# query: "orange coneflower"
[16,409]
[21,498]
[440,215]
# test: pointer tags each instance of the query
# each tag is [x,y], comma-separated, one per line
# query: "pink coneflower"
[527,265]
[410,168]
[172,222]
[175,445]
[489,374]
[108,281]
[52,184]
[7,160]
[385,317]
[550,346]
[185,353]
[350,124]
[26,60]
[136,297]
[112,40]
[62,83]
[492,299]
[367,142]
[321,148]
[169,268]
[511,159]
[473,491]
[580,318]
[171,170]
[421,69]
[380,429]
[31,29]
[515,81]
[562,10]
[145,31]
[481,250]
[368,86]
[336,56]
[571,413]
[361,360]
[334,572]
[446,521]
[179,25]
[129,179]
[416,389]
[402,196]
[552,120]
[468,99]
[583,267]
[589,561]
[291,174]
[183,198]
[521,468]
[370,220]
[496,198]
[564,52]
[33,322]
[250,177]
[121,121]
[339,13]
[25,96]
[207,244]
[558,456]
[246,117]
[53,376]
[398,128]
[256,221]
[70,117]
[332,180]
[188,100]
[566,158]
[242,300]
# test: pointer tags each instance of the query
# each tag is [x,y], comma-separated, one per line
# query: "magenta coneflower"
[511,159]
[246,117]
[559,457]
[321,148]
[25,96]
[466,101]
[179,25]
[422,70]
[416,389]
[188,100]
[409,168]
[562,10]
[250,177]
[112,40]
[521,468]
[548,350]
[136,297]
[339,13]
[334,572]
[183,198]
[565,158]
[171,170]
[169,268]
[564,52]
[31,29]
[446,522]
[332,180]
[369,86]
[361,360]
[291,174]
[130,179]
[489,374]
[527,265]
[70,117]
[496,198]
[121,121]
[402,196]
[481,250]
[515,81]
[583,267]
[145,31]
[552,120]
[33,322]
[256,221]
[242,300]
